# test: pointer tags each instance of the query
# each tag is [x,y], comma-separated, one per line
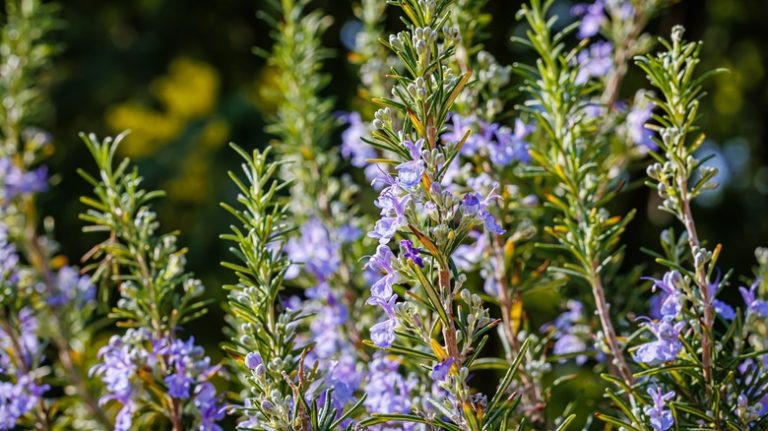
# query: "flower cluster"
[571,333]
[17,399]
[667,329]
[16,182]
[490,214]
[20,356]
[387,391]
[502,145]
[382,294]
[180,366]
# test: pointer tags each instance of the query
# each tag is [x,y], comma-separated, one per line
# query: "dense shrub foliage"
[381,282]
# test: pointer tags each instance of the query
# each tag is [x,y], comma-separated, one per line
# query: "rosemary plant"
[313,260]
[43,301]
[149,370]
[572,156]
[494,154]
[441,325]
[714,387]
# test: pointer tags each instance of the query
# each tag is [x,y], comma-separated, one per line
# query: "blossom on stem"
[571,335]
[441,369]
[409,173]
[501,144]
[667,345]
[661,418]
[209,407]
[15,182]
[511,145]
[382,294]
[475,205]
[595,61]
[392,218]
[17,399]
[353,148]
[316,249]
[411,253]
[754,305]
[180,365]
[71,288]
[9,258]
[387,391]
[670,302]
[637,117]
[253,360]
[592,17]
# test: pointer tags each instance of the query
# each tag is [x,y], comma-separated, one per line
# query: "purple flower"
[328,319]
[665,348]
[409,173]
[181,365]
[124,418]
[511,145]
[376,174]
[18,399]
[387,304]
[411,252]
[253,360]
[382,288]
[387,391]
[754,305]
[671,297]
[208,406]
[71,288]
[637,117]
[491,224]
[178,384]
[592,17]
[385,229]
[14,182]
[9,259]
[661,419]
[315,249]
[569,344]
[570,335]
[116,370]
[475,205]
[349,233]
[441,369]
[22,342]
[414,149]
[383,333]
[724,310]
[27,337]
[467,256]
[353,148]
[457,128]
[595,62]
[381,262]
[392,215]
[345,379]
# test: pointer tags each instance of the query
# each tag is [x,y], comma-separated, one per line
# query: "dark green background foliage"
[116,53]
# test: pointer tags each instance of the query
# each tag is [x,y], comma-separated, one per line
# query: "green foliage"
[303,122]
[25,57]
[573,156]
[155,290]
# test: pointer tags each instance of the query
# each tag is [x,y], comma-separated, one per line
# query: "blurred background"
[181,75]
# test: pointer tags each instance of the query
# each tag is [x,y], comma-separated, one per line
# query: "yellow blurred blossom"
[189,91]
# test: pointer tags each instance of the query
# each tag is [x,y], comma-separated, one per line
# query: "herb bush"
[380,282]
